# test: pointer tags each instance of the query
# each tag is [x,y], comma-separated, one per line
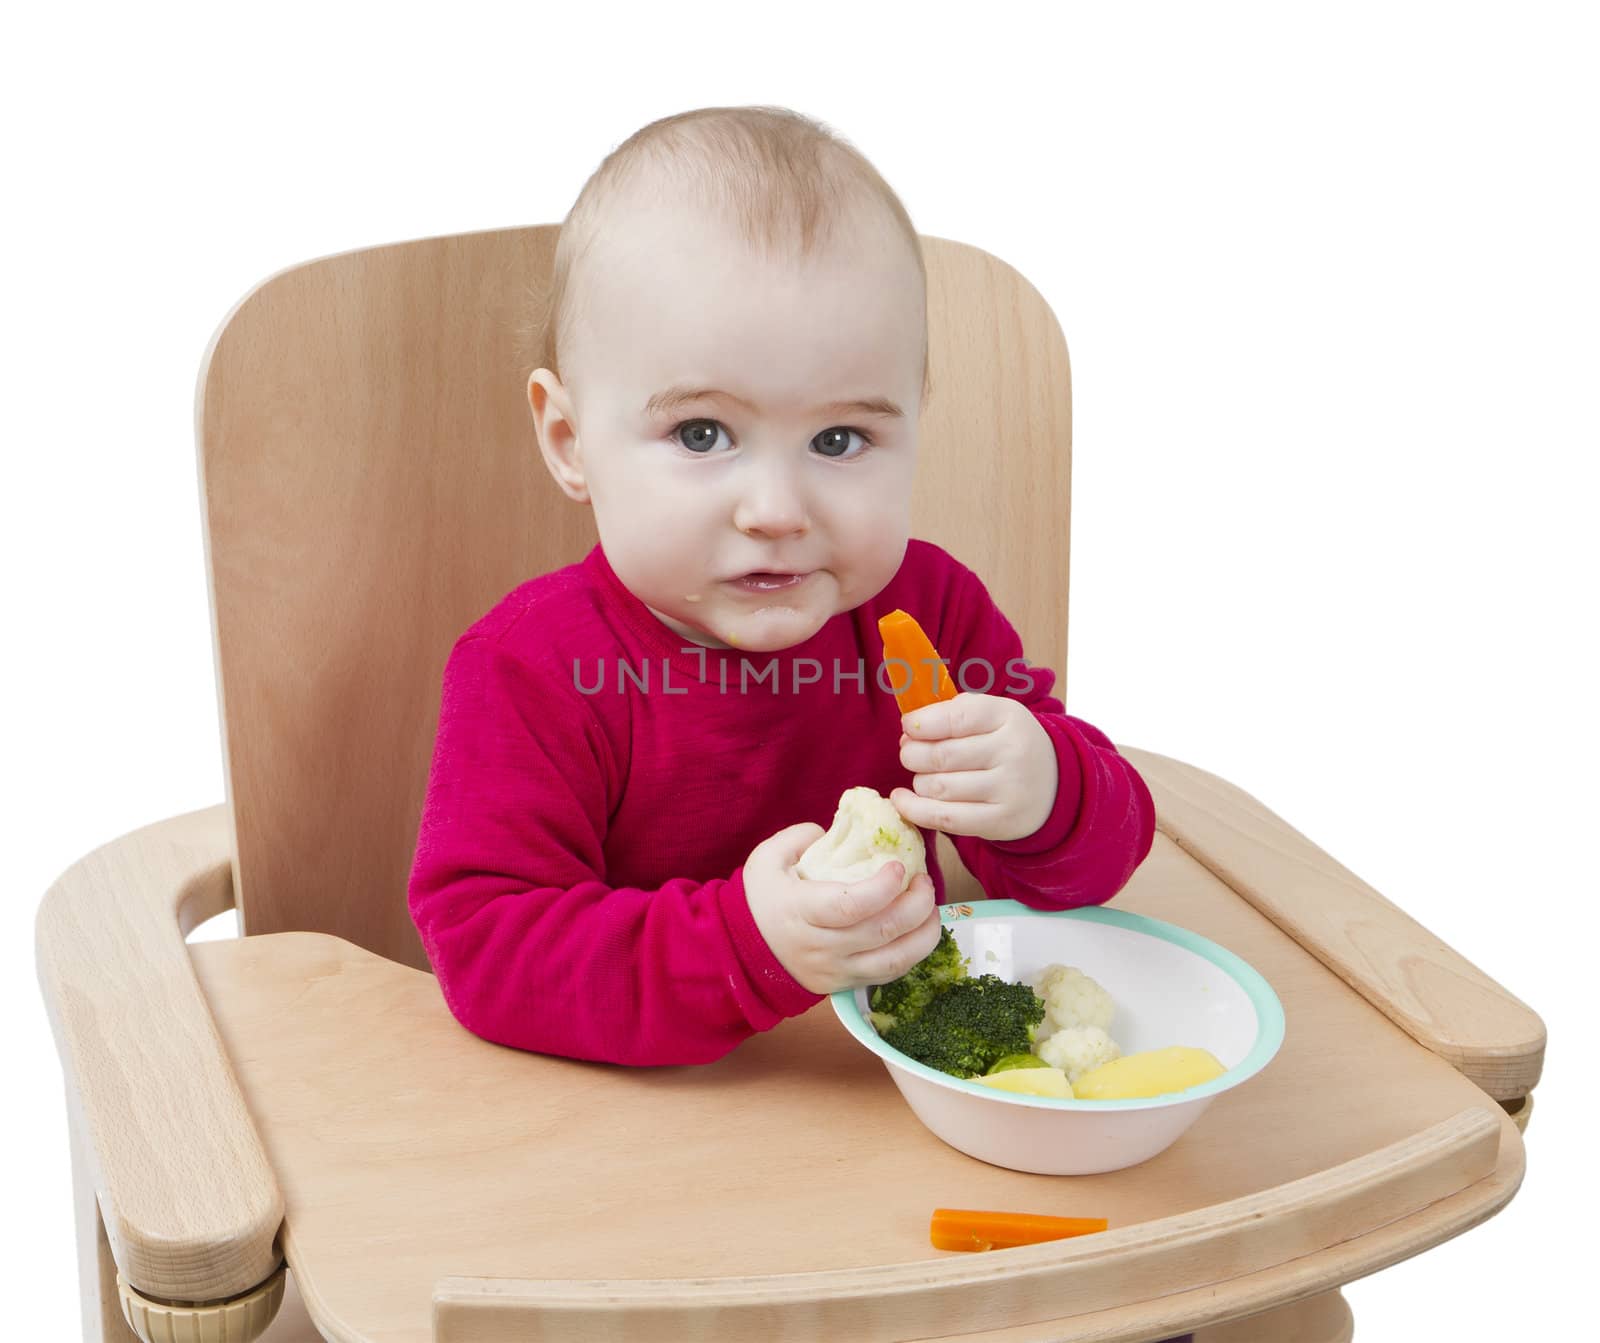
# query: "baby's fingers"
[843,905]
[905,914]
[884,964]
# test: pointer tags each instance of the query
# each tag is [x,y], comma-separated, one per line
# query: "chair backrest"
[371,484]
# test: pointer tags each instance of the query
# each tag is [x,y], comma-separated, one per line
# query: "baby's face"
[775,475]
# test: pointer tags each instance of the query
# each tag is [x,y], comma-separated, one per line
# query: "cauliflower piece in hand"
[867,832]
[1073,999]
[1077,1049]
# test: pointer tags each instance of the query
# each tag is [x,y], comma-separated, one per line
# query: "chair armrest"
[191,1207]
[1434,994]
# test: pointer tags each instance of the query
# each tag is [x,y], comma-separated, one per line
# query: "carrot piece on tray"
[964,1229]
[904,640]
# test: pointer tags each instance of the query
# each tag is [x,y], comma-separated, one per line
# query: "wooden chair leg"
[97,1270]
[292,1323]
[1324,1318]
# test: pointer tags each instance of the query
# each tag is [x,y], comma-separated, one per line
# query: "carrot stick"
[963,1229]
[930,682]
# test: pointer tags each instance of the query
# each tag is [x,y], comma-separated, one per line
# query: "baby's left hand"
[984,766]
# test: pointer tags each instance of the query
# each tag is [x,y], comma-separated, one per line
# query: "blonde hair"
[783,179]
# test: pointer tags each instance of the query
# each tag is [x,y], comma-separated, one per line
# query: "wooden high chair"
[300,1098]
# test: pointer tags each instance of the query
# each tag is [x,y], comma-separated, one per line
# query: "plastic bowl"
[1171,987]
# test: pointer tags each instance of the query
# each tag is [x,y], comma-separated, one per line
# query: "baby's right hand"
[833,935]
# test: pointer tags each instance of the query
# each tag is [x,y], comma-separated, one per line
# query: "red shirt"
[598,782]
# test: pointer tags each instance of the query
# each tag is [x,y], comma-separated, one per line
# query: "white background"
[1328,278]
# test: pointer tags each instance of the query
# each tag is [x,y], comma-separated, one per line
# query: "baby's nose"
[771,507]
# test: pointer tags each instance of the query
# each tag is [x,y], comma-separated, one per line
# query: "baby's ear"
[556,428]
[548,398]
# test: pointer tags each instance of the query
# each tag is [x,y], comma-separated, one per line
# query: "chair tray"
[785,1189]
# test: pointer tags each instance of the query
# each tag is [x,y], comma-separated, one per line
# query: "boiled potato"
[1044,1081]
[1155,1072]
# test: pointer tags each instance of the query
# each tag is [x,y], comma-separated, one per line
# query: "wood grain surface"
[788,1182]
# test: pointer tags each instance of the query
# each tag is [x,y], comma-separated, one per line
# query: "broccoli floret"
[970,1024]
[903,1001]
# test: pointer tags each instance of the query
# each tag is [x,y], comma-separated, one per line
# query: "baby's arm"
[1102,823]
[532,948]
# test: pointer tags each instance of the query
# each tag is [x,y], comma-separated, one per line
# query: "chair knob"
[241,1319]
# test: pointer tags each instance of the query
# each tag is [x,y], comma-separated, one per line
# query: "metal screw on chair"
[239,1319]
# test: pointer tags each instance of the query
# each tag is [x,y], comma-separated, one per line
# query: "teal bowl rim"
[1269,1011]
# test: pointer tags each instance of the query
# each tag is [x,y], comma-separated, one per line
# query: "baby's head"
[750,251]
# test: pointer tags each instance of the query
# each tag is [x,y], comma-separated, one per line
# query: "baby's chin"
[768,630]
[761,636]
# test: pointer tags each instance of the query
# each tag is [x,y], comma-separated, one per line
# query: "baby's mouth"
[758,581]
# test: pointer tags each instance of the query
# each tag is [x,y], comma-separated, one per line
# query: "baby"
[634,751]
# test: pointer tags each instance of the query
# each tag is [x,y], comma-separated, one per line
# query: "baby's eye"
[700,437]
[836,441]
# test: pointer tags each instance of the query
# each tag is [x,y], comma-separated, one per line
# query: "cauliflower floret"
[867,832]
[1073,999]
[1077,1049]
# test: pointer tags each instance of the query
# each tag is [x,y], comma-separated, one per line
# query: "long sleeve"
[1102,823]
[532,948]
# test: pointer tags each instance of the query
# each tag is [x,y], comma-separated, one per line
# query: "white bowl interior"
[1165,994]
